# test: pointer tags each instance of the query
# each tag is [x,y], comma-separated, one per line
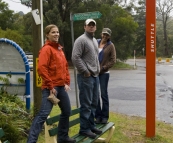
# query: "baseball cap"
[90,20]
[107,31]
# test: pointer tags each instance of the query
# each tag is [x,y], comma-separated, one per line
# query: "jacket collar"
[108,42]
[89,34]
[53,44]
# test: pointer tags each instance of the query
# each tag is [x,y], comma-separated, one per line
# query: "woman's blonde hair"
[48,28]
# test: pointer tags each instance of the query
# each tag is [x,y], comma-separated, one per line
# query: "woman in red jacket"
[53,69]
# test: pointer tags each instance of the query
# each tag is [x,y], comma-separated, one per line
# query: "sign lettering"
[84,16]
[38,78]
[152,39]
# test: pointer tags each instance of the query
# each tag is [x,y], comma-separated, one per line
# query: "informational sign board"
[11,61]
[36,16]
[14,62]
[38,78]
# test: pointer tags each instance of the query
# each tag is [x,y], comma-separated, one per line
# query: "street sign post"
[84,16]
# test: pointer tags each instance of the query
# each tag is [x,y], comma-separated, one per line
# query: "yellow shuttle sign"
[38,78]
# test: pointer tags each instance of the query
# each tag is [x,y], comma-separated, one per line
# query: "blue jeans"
[46,107]
[88,97]
[102,111]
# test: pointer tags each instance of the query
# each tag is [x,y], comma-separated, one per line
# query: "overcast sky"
[16,6]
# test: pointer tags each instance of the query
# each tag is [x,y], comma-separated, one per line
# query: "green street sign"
[84,16]
[25,1]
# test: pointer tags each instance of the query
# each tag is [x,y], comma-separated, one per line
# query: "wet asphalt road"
[127,90]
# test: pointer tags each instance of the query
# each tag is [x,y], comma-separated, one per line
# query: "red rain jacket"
[53,66]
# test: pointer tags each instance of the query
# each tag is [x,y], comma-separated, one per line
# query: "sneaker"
[88,134]
[96,131]
[104,121]
[68,140]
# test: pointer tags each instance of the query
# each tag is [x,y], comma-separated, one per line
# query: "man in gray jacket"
[85,59]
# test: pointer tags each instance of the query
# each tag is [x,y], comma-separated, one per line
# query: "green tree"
[14,26]
[27,32]
[140,18]
[113,16]
[12,35]
[123,28]
[117,19]
[6,16]
[58,13]
[164,9]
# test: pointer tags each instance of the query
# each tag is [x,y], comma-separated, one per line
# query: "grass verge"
[128,129]
[117,65]
[121,65]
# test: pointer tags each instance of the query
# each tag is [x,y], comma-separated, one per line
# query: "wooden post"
[36,32]
[150,67]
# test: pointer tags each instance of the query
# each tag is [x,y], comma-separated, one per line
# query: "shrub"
[14,120]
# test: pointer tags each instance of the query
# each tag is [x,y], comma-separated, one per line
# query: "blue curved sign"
[7,69]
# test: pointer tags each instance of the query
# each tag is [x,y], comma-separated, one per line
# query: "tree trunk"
[165,36]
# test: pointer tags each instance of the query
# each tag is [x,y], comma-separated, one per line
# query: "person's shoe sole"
[70,140]
[90,135]
[98,121]
[97,131]
[104,121]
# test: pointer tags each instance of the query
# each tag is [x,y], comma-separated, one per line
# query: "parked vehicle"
[30,60]
[30,64]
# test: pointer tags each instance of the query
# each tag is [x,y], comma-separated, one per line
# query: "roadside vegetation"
[122,65]
[14,119]
[117,66]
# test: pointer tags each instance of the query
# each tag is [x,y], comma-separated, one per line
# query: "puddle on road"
[163,90]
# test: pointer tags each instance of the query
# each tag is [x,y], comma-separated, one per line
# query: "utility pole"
[37,44]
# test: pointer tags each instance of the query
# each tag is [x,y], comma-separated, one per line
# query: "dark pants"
[102,111]
[88,97]
[46,107]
